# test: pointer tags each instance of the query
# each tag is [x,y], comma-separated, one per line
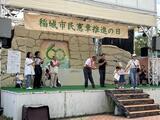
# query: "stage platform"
[67,101]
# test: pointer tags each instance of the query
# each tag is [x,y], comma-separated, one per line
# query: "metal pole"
[2,3]
[0,47]
[0,10]
[150,53]
[134,47]
[0,62]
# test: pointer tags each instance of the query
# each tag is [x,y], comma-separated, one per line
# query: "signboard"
[13,61]
[61,24]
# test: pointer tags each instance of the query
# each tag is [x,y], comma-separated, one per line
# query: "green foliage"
[5,118]
[140,42]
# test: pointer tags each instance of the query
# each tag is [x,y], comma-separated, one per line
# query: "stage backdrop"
[50,48]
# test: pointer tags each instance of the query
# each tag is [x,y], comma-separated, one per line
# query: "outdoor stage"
[63,102]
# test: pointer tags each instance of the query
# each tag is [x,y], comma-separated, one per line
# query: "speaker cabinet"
[156,43]
[7,42]
[144,51]
[5,27]
[37,112]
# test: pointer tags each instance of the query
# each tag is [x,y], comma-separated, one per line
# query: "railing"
[155,69]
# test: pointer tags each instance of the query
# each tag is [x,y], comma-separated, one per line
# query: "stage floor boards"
[73,88]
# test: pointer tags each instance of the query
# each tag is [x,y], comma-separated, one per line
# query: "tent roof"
[86,10]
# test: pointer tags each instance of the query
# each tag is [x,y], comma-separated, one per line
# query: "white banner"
[72,25]
[13,61]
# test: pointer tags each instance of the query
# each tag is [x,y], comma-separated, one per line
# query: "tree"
[140,42]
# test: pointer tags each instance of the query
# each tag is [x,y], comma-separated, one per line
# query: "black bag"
[138,70]
[58,84]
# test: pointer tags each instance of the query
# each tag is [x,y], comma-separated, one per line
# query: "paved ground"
[103,117]
[110,117]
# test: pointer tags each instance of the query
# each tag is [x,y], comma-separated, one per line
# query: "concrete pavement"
[110,117]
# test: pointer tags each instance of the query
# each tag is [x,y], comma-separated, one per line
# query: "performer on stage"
[87,70]
[38,70]
[134,67]
[102,69]
[29,70]
[53,67]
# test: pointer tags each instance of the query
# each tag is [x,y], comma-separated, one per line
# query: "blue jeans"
[133,75]
[28,81]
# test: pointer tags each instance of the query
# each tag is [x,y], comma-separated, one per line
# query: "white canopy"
[72,7]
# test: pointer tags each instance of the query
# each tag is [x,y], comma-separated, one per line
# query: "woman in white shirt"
[29,70]
[133,66]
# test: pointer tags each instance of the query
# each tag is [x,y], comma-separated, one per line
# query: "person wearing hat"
[133,65]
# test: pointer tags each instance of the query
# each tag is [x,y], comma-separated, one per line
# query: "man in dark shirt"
[102,69]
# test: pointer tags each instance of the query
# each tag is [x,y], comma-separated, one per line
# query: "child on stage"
[119,76]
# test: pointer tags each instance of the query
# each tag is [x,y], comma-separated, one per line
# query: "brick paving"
[110,117]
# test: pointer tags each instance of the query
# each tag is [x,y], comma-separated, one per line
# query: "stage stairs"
[134,103]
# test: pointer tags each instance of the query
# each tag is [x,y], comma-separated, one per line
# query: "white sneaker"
[132,87]
[29,88]
[54,86]
[122,87]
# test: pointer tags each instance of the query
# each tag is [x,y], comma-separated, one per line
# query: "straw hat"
[120,64]
[134,55]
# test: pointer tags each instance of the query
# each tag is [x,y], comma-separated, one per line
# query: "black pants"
[38,76]
[102,77]
[88,75]
[143,79]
